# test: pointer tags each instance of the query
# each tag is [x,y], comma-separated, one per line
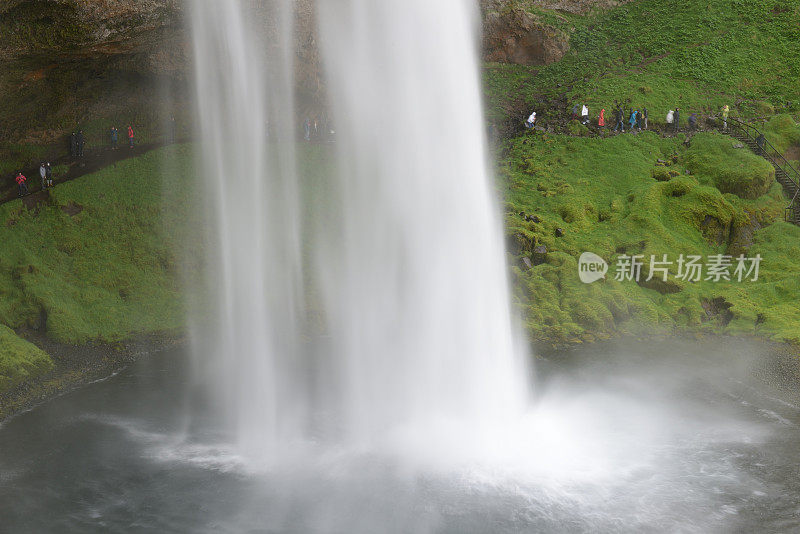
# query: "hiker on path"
[618,119]
[575,112]
[632,121]
[43,175]
[693,121]
[114,137]
[130,135]
[639,120]
[670,118]
[49,174]
[601,122]
[760,142]
[80,142]
[677,119]
[725,112]
[585,114]
[23,188]
[644,116]
[73,144]
[531,122]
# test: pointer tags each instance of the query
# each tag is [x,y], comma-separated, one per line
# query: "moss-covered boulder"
[715,161]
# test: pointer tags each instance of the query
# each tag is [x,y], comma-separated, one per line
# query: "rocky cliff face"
[512,34]
[100,27]
[87,63]
[71,64]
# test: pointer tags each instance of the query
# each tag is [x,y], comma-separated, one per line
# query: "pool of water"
[635,436]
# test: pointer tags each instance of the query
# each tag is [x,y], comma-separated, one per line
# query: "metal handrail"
[777,154]
[748,129]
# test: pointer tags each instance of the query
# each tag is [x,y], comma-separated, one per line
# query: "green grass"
[19,360]
[100,260]
[782,131]
[663,54]
[729,169]
[602,194]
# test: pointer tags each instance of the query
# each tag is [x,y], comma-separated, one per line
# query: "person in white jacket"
[43,174]
[531,122]
[585,114]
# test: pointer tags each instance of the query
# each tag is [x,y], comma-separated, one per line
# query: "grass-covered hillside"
[612,197]
[97,261]
[646,194]
[661,54]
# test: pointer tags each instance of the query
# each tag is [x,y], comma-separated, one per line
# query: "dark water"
[631,437]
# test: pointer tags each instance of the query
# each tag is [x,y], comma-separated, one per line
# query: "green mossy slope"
[19,360]
[729,166]
[98,259]
[602,194]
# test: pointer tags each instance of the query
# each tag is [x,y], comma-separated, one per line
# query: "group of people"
[633,119]
[77,141]
[45,173]
[114,135]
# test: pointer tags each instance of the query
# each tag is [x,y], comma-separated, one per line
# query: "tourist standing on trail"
[81,142]
[632,121]
[114,137]
[601,122]
[693,121]
[725,111]
[130,135]
[585,114]
[618,119]
[23,188]
[49,175]
[531,122]
[43,175]
[644,117]
[677,119]
[670,118]
[73,144]
[760,142]
[575,112]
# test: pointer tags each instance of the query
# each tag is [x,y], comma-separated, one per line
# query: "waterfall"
[248,353]
[408,265]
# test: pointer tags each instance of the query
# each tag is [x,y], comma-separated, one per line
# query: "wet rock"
[559,232]
[527,262]
[741,237]
[539,255]
[717,309]
[518,244]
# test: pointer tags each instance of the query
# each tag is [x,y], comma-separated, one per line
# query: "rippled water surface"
[629,437]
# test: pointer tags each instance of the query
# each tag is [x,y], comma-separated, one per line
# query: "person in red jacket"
[130,135]
[601,122]
[23,187]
